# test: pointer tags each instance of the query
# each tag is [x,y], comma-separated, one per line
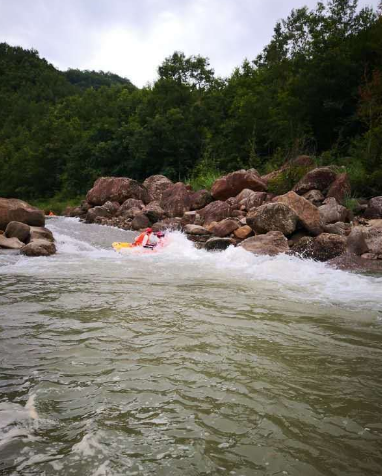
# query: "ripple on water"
[186,363]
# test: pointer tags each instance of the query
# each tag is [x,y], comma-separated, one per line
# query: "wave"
[86,249]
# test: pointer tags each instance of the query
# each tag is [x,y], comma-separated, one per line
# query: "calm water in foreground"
[186,362]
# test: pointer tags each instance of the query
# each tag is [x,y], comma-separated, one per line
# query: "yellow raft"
[120,245]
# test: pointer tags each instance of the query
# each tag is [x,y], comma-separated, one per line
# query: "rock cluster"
[310,220]
[22,228]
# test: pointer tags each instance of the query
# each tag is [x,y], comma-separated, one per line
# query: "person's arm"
[145,240]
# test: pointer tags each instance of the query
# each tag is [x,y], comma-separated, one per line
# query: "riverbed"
[185,362]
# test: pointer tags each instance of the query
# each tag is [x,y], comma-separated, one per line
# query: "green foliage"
[315,89]
[205,173]
[287,179]
[57,204]
[93,79]
[351,204]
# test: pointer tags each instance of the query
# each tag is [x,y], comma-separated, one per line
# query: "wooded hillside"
[315,89]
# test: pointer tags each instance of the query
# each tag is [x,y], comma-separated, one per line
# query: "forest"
[315,89]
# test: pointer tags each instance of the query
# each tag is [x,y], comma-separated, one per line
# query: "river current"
[185,362]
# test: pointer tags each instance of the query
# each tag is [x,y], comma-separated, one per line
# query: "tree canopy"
[315,88]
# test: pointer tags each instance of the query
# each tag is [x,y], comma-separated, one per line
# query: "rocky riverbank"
[310,220]
[22,228]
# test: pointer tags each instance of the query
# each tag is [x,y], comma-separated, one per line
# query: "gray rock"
[16,229]
[10,243]
[156,185]
[232,184]
[273,217]
[218,244]
[41,233]
[12,209]
[154,212]
[308,214]
[196,230]
[127,205]
[316,179]
[332,212]
[327,246]
[215,211]
[272,243]
[140,221]
[338,228]
[315,197]
[374,209]
[39,248]
[356,242]
[223,228]
[116,189]
[96,212]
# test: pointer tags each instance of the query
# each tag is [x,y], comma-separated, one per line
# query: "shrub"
[56,204]
[286,180]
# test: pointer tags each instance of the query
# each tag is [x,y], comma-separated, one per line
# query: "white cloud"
[132,38]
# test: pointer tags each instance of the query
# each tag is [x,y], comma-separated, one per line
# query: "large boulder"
[373,236]
[116,189]
[168,224]
[315,197]
[316,179]
[304,247]
[39,248]
[307,213]
[12,209]
[16,229]
[332,212]
[272,217]
[218,244]
[196,230]
[356,242]
[176,200]
[215,211]
[10,243]
[272,243]
[374,208]
[302,162]
[156,185]
[340,188]
[232,184]
[111,207]
[77,211]
[40,233]
[327,246]
[128,204]
[140,221]
[248,199]
[339,228]
[154,212]
[223,228]
[200,199]
[96,212]
[190,218]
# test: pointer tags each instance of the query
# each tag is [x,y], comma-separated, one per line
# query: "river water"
[185,362]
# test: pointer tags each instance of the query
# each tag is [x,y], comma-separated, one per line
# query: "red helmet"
[149,230]
[160,234]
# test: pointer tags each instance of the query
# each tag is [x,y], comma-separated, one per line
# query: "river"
[186,362]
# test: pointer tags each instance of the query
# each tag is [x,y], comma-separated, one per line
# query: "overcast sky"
[132,37]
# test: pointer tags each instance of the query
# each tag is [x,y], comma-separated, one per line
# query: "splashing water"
[185,362]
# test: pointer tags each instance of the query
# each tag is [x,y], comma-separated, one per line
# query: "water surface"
[186,362]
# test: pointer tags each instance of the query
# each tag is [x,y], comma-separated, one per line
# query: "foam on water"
[184,361]
[17,421]
[87,249]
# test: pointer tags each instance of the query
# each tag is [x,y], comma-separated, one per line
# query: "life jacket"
[139,240]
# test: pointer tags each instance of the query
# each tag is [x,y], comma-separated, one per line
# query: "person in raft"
[160,238]
[144,239]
